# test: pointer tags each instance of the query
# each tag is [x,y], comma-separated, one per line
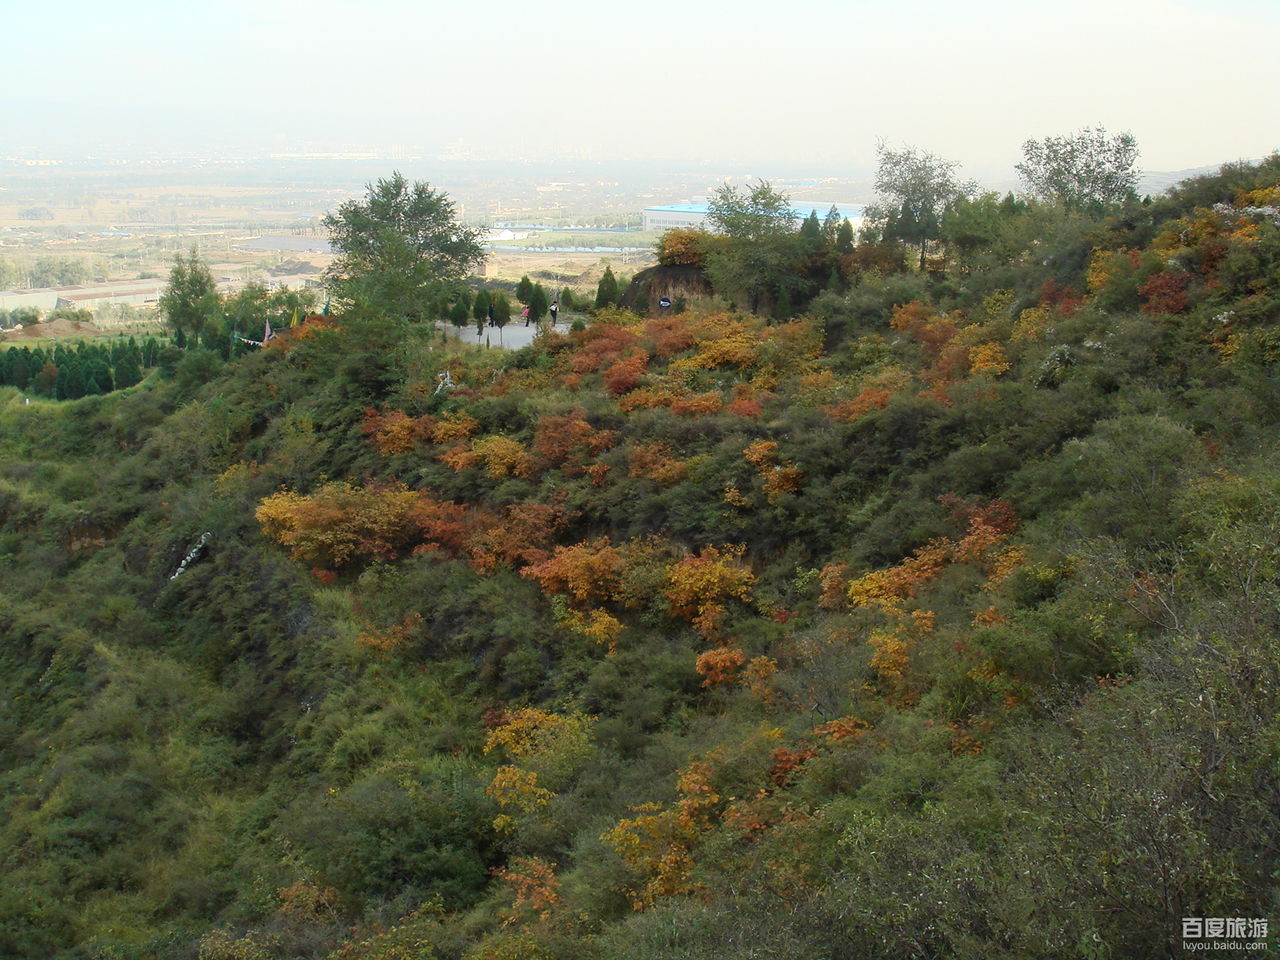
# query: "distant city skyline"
[666,82]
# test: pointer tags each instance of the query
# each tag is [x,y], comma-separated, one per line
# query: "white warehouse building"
[695,214]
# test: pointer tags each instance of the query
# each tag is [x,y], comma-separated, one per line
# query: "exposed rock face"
[674,282]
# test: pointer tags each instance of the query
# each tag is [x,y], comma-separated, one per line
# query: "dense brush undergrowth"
[941,622]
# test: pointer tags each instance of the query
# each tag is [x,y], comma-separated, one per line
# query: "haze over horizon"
[662,82]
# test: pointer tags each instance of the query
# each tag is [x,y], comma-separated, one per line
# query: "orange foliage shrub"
[588,573]
[684,246]
[502,456]
[443,524]
[389,638]
[521,535]
[1165,293]
[874,395]
[395,431]
[698,405]
[645,399]
[870,398]
[834,580]
[844,728]
[340,524]
[1055,296]
[535,889]
[988,360]
[890,656]
[747,401]
[458,458]
[787,763]
[602,344]
[698,586]
[625,374]
[454,427]
[598,625]
[817,386]
[760,452]
[308,902]
[786,478]
[516,790]
[918,320]
[888,589]
[654,461]
[722,341]
[569,441]
[759,671]
[670,335]
[656,847]
[720,665]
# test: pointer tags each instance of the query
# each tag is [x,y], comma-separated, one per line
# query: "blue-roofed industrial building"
[695,214]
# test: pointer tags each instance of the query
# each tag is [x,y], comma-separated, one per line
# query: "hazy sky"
[790,84]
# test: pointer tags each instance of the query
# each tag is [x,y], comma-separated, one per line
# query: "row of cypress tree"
[67,373]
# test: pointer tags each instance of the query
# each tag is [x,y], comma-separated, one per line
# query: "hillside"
[938,621]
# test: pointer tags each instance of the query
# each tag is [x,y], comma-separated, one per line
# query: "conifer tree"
[811,229]
[538,303]
[607,289]
[831,226]
[501,310]
[844,237]
[480,308]
[524,289]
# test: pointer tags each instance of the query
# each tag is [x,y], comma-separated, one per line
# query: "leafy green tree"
[607,289]
[1084,169]
[524,289]
[393,244]
[761,213]
[762,249]
[915,187]
[567,301]
[190,300]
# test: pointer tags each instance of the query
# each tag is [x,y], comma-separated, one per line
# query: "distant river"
[290,244]
[513,248]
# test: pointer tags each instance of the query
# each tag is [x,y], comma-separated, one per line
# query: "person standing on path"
[554,308]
